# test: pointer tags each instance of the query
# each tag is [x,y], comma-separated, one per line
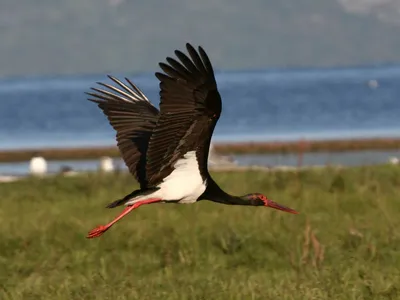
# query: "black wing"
[190,107]
[133,117]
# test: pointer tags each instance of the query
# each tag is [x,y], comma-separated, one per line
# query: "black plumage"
[133,117]
[190,107]
[153,142]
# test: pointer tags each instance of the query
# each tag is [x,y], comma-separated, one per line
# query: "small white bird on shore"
[394,160]
[106,164]
[38,166]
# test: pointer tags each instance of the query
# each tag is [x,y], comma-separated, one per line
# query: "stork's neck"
[216,194]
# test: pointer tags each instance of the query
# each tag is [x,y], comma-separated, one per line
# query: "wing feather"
[190,106]
[133,118]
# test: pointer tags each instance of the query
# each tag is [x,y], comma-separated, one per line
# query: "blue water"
[257,105]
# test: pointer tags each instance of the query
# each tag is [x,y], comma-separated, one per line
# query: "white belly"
[184,183]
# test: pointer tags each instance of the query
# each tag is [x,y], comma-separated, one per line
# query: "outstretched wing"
[190,107]
[133,117]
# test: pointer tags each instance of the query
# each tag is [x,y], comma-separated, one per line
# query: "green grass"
[345,244]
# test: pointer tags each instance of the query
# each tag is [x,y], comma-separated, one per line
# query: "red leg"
[99,230]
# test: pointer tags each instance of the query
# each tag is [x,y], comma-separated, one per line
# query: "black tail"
[130,196]
[117,203]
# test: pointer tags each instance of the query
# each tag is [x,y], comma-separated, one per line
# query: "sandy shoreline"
[302,146]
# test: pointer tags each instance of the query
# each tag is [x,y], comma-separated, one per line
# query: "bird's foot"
[98,231]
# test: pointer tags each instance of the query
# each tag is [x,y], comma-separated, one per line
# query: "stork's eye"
[262,197]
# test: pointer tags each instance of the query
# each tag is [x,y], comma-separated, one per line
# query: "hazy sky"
[47,37]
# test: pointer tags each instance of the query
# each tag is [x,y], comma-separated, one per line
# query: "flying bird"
[167,150]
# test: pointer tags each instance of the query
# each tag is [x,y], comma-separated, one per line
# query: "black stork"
[167,149]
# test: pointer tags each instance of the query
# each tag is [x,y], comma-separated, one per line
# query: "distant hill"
[98,36]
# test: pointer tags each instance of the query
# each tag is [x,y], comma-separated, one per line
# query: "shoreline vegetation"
[227,148]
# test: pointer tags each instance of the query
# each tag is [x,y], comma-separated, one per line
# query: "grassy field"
[345,244]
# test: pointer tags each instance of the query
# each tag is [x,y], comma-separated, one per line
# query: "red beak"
[272,204]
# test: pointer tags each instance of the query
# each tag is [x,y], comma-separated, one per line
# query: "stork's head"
[257,199]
